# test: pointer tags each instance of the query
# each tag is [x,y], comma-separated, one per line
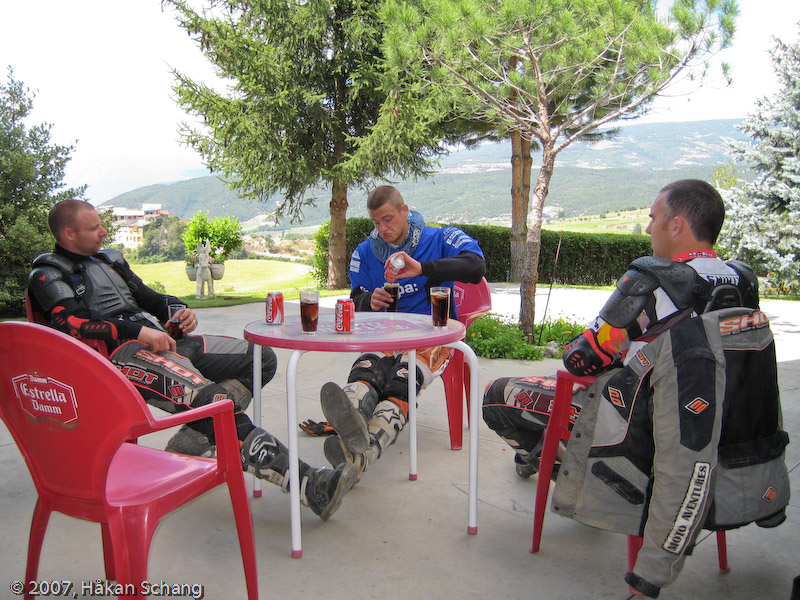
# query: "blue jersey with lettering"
[367,271]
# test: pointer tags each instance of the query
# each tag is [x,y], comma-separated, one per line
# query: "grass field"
[244,281]
[616,222]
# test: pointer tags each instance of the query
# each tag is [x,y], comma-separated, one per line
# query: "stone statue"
[203,276]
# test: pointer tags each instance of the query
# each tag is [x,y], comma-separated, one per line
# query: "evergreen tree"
[763,214]
[31,174]
[554,71]
[305,89]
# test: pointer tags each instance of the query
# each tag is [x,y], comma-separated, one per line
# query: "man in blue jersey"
[372,408]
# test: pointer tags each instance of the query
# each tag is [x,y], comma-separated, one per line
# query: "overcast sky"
[100,71]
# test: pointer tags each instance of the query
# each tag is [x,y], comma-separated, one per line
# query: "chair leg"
[634,545]
[454,396]
[41,516]
[108,553]
[244,527]
[467,386]
[722,552]
[131,532]
[552,437]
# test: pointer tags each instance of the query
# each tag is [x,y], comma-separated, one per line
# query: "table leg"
[412,414]
[256,405]
[294,459]
[474,420]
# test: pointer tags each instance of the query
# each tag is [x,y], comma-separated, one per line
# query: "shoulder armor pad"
[628,300]
[680,281]
[54,260]
[48,286]
[112,256]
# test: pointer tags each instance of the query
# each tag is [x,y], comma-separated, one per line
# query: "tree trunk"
[337,246]
[530,276]
[520,199]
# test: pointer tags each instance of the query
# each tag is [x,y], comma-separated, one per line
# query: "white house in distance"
[130,223]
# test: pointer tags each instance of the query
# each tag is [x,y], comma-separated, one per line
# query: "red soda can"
[343,318]
[274,308]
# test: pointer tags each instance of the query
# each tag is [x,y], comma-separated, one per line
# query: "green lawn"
[614,222]
[244,281]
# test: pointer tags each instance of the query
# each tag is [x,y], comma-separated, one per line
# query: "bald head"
[76,226]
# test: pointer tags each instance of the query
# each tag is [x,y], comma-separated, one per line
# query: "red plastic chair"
[471,300]
[71,413]
[558,430]
[35,316]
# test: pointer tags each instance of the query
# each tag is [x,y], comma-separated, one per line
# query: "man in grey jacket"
[662,384]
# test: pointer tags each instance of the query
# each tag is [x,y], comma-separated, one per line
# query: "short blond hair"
[384,194]
[65,214]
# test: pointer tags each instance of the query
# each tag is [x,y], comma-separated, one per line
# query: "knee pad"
[371,369]
[213,392]
[238,392]
[397,385]
[494,393]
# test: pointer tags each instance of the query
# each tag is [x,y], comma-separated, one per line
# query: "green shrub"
[491,336]
[224,233]
[157,286]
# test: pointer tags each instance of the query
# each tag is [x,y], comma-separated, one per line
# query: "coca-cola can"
[397,264]
[343,318]
[274,308]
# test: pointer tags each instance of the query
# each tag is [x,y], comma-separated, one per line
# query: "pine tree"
[31,181]
[763,214]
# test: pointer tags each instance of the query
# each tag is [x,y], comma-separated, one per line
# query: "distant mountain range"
[471,186]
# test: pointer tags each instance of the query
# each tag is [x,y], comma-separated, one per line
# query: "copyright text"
[100,588]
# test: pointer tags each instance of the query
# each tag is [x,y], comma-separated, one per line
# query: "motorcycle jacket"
[95,296]
[687,435]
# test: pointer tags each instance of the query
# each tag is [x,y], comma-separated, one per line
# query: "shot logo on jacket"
[741,323]
[770,494]
[615,397]
[697,406]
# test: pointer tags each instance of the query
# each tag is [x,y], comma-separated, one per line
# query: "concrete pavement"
[394,538]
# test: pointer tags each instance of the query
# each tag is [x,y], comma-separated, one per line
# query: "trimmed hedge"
[584,259]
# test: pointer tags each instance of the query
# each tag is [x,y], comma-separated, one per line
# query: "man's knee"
[494,403]
[269,364]
[371,369]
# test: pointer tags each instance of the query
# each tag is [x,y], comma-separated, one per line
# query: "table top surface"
[374,331]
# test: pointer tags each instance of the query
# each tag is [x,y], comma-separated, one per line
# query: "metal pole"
[552,279]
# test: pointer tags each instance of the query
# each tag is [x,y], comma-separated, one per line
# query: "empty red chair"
[71,413]
[558,430]
[471,300]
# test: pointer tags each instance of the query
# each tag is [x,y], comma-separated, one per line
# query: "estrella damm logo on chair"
[44,398]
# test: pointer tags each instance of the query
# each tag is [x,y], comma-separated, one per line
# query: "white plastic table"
[376,332]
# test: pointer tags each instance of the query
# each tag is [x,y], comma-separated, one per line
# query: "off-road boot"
[349,410]
[387,421]
[321,490]
[526,465]
[188,441]
[336,453]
